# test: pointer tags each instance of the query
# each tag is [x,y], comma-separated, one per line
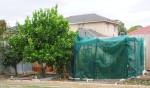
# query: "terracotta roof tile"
[144,30]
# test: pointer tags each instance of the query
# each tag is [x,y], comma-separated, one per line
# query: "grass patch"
[137,81]
[39,87]
[30,87]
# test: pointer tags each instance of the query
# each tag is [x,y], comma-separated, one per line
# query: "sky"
[130,12]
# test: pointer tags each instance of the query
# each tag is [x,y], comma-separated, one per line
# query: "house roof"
[144,30]
[86,18]
[90,32]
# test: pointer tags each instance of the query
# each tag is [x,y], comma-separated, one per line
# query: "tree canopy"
[133,28]
[10,58]
[49,40]
[3,26]
[121,27]
[13,51]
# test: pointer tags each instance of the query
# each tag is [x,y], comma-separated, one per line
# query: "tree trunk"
[43,67]
[15,67]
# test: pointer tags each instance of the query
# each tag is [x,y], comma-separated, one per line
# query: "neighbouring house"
[144,33]
[95,22]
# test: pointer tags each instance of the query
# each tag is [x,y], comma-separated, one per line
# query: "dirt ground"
[3,78]
[62,84]
[5,82]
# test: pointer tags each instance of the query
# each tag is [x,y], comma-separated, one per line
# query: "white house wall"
[104,28]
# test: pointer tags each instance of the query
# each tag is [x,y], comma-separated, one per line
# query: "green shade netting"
[105,58]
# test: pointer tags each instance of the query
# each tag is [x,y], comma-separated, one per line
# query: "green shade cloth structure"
[108,58]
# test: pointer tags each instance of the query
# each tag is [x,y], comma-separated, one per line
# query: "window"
[107,25]
[115,28]
[80,26]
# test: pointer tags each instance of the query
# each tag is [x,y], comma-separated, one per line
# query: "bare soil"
[4,77]
[6,82]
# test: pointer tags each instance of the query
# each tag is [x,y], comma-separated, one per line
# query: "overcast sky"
[131,12]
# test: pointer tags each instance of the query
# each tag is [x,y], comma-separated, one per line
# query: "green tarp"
[108,58]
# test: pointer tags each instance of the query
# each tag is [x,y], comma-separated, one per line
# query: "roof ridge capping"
[86,18]
[82,15]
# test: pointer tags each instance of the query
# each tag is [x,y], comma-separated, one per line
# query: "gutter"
[95,22]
